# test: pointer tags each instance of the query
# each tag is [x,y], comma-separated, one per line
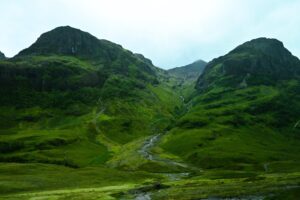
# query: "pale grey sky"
[169,32]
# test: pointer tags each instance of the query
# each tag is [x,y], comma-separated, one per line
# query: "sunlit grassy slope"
[239,120]
[84,131]
[237,130]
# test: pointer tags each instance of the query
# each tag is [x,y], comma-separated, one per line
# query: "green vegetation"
[231,130]
[236,127]
[240,121]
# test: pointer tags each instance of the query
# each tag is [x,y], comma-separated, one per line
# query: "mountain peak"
[259,61]
[264,40]
[198,62]
[66,40]
[268,46]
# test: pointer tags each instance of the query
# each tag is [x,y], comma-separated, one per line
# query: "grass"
[213,148]
[262,185]
[59,139]
[105,183]
[234,129]
[52,148]
[35,177]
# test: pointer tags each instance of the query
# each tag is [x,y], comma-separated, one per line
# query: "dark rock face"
[73,42]
[259,61]
[110,57]
[48,76]
[66,61]
[2,56]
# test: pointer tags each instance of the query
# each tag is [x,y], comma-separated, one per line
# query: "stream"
[145,151]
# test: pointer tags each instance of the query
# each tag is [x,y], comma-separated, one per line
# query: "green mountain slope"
[72,99]
[246,113]
[260,61]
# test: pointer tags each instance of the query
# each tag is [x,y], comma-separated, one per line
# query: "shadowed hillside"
[2,56]
[189,72]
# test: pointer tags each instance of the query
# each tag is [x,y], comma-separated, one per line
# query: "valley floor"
[175,181]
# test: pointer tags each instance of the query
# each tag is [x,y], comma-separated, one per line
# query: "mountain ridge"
[239,103]
[259,61]
[66,40]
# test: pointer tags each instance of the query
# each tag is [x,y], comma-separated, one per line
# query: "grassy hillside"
[243,127]
[76,110]
[239,130]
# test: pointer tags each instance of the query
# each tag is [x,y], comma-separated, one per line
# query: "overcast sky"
[169,32]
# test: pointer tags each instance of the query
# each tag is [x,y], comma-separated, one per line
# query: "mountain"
[2,56]
[189,72]
[259,61]
[245,113]
[71,92]
[102,54]
[67,58]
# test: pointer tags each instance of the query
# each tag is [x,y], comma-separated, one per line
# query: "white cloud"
[170,32]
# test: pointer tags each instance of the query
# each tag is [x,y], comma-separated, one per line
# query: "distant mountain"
[182,79]
[2,56]
[189,72]
[246,111]
[259,61]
